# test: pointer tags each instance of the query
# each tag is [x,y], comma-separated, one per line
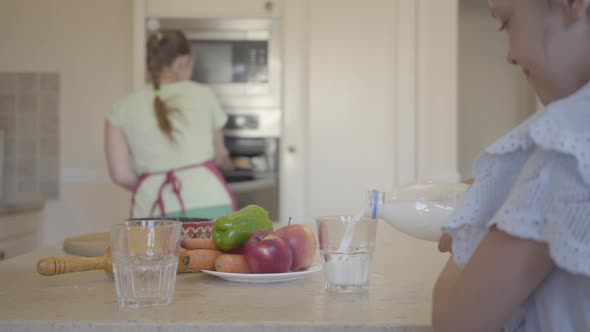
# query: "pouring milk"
[419,210]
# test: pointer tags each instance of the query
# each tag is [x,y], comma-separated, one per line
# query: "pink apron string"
[211,166]
[176,184]
[172,180]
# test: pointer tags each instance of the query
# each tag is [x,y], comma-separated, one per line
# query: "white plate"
[264,278]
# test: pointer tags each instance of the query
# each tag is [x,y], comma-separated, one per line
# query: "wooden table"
[399,298]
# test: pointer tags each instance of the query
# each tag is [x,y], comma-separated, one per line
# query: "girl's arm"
[469,181]
[118,157]
[502,273]
[445,244]
[220,151]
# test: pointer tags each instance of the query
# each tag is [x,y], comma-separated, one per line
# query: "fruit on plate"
[201,259]
[302,242]
[181,266]
[196,243]
[231,231]
[267,252]
[231,263]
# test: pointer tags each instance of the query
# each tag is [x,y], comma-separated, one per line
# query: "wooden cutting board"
[89,245]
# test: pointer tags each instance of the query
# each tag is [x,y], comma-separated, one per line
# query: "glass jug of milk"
[419,209]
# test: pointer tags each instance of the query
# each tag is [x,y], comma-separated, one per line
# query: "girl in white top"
[521,237]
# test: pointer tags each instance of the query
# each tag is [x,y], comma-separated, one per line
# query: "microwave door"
[212,62]
[240,59]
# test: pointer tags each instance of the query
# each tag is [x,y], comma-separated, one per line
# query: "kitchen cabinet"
[213,8]
[18,234]
[17,246]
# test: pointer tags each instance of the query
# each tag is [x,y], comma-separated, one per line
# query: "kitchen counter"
[22,203]
[261,181]
[399,298]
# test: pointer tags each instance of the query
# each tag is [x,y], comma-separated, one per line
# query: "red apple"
[253,239]
[302,242]
[267,252]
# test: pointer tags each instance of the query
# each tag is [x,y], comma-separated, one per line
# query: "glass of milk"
[346,267]
[419,210]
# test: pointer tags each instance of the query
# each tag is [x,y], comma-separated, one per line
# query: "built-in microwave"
[238,57]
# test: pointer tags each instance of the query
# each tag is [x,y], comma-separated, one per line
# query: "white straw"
[349,233]
[351,226]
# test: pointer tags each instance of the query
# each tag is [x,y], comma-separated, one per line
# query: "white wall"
[436,95]
[493,96]
[351,109]
[89,44]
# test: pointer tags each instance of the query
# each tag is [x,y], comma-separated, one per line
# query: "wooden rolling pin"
[53,266]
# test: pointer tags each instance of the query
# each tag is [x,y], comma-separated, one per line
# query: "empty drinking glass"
[145,259]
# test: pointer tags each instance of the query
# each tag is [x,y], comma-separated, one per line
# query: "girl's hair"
[162,49]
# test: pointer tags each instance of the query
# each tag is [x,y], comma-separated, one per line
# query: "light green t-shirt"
[199,114]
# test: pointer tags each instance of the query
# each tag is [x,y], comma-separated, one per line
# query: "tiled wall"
[29,116]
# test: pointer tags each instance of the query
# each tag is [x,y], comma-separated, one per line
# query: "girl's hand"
[445,244]
[469,181]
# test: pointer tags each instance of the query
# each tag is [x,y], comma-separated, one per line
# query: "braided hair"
[162,50]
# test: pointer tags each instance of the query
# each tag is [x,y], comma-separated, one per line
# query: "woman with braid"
[164,142]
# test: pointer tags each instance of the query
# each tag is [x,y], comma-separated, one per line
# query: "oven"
[253,144]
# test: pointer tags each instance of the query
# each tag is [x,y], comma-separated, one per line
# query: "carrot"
[194,243]
[181,266]
[201,259]
[232,264]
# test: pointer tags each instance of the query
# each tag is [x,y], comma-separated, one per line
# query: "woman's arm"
[220,151]
[502,273]
[118,157]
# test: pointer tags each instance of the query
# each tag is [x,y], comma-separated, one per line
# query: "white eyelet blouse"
[534,183]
